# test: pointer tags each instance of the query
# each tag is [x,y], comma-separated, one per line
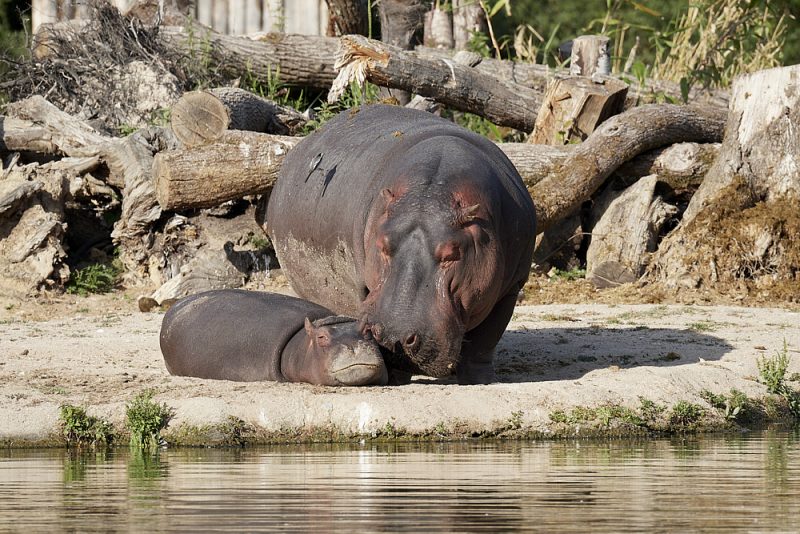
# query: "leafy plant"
[772,373]
[78,427]
[734,406]
[95,278]
[572,274]
[686,414]
[146,419]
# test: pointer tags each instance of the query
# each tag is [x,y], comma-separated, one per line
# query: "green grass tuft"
[79,428]
[145,420]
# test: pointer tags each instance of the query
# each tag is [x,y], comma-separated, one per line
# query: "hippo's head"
[341,355]
[431,269]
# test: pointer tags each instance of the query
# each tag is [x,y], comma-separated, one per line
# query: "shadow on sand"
[533,355]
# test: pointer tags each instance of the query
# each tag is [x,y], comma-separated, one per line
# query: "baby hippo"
[247,336]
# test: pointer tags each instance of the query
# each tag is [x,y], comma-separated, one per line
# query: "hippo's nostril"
[411,342]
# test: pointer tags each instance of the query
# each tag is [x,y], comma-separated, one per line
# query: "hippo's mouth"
[361,374]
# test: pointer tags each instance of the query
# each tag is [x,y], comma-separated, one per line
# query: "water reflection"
[749,482]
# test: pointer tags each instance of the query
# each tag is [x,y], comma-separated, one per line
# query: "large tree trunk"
[740,228]
[457,86]
[401,23]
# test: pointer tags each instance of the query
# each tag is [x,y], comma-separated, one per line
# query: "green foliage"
[734,406]
[572,274]
[145,420]
[79,428]
[772,373]
[95,278]
[685,415]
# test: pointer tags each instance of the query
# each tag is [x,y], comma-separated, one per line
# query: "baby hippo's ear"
[320,335]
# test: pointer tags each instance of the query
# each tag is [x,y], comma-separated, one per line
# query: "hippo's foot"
[476,373]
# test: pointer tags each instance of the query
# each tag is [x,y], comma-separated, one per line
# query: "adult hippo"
[416,225]
[246,336]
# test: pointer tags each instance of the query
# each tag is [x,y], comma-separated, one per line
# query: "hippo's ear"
[466,215]
[320,335]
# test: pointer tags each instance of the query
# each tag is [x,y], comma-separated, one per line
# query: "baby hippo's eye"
[447,253]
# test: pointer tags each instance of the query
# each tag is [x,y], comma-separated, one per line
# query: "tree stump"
[573,107]
[740,228]
[438,28]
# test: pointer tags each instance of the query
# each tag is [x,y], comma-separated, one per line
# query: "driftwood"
[740,227]
[34,124]
[627,229]
[457,86]
[200,117]
[239,163]
[573,107]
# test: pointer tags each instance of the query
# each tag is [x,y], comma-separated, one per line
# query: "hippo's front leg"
[477,350]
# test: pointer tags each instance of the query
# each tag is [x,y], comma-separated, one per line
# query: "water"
[747,483]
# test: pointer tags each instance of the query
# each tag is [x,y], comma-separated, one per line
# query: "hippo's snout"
[362,365]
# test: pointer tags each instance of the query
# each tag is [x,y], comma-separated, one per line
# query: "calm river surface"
[748,483]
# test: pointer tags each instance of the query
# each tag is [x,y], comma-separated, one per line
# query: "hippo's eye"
[447,253]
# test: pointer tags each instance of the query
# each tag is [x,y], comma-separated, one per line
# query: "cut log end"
[199,118]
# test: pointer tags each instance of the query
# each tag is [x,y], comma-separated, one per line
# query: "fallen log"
[457,86]
[239,163]
[617,140]
[559,177]
[200,117]
[301,60]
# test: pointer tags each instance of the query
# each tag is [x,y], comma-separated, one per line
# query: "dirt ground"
[596,349]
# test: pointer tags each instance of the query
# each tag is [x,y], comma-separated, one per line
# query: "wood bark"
[741,226]
[619,139]
[457,86]
[239,163]
[573,107]
[627,229]
[681,166]
[347,17]
[300,60]
[401,23]
[200,117]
